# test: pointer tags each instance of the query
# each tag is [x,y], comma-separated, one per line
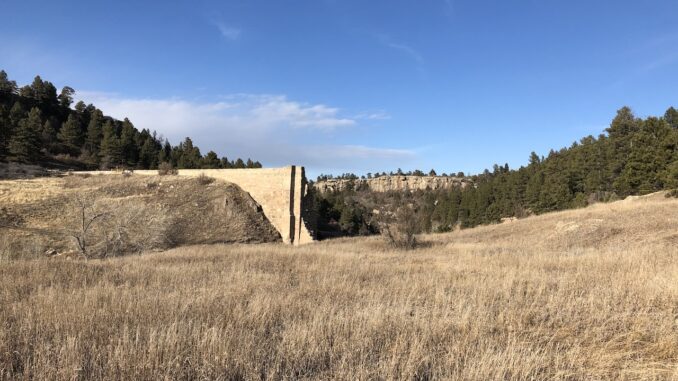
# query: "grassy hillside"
[582,294]
[137,213]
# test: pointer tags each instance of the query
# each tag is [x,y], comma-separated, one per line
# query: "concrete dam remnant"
[281,192]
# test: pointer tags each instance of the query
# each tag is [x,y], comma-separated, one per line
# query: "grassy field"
[584,294]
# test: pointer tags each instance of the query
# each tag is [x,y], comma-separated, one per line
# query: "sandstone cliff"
[394,183]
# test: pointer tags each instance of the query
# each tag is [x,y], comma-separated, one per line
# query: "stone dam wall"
[281,192]
[394,183]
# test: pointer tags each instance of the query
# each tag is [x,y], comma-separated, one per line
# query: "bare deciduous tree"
[399,226]
[87,214]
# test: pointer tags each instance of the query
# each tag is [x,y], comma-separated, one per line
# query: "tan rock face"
[394,183]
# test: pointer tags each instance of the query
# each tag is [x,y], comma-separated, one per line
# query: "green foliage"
[94,133]
[24,145]
[70,135]
[128,145]
[7,87]
[211,160]
[636,157]
[94,139]
[111,151]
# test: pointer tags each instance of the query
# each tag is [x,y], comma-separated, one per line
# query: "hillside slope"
[138,213]
[636,221]
[576,295]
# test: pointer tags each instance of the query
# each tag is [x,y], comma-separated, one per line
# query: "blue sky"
[356,86]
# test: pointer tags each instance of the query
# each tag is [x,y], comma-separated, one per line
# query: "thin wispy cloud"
[228,32]
[403,48]
[660,62]
[377,115]
[659,52]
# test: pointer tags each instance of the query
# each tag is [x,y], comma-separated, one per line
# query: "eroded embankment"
[137,213]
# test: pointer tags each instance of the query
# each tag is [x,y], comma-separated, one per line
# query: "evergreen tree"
[94,133]
[671,117]
[70,135]
[5,130]
[211,160]
[110,151]
[16,114]
[188,155]
[239,163]
[165,154]
[65,98]
[24,146]
[128,144]
[7,87]
[148,155]
[225,163]
[49,136]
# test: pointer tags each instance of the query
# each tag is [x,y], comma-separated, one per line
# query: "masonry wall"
[279,191]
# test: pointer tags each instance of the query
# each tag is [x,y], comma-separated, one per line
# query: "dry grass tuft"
[584,294]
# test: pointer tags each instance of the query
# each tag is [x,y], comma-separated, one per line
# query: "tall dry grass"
[586,294]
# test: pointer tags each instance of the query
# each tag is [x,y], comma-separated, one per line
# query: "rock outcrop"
[394,183]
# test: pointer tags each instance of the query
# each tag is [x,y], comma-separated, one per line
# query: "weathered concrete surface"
[281,192]
[394,183]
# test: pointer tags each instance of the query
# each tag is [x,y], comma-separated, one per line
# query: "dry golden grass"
[585,294]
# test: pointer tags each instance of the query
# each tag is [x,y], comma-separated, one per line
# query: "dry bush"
[111,228]
[166,168]
[399,228]
[203,179]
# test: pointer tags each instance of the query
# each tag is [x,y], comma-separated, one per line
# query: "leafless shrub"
[399,228]
[166,168]
[204,179]
[86,215]
[136,227]
[130,226]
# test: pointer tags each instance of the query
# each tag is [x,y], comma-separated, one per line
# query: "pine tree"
[148,154]
[70,135]
[49,136]
[211,160]
[225,163]
[7,87]
[110,152]
[130,150]
[94,133]
[671,117]
[24,146]
[65,98]
[165,154]
[16,114]
[188,155]
[5,130]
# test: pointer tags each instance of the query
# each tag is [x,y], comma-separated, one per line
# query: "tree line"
[633,156]
[38,126]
